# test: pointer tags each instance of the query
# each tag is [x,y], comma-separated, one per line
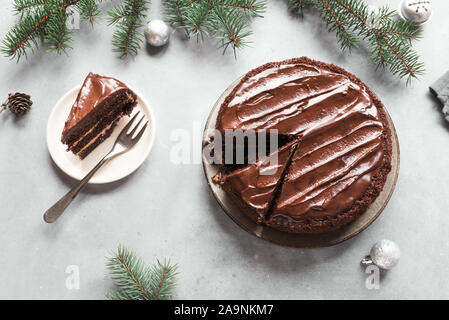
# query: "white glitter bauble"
[419,11]
[385,254]
[157,33]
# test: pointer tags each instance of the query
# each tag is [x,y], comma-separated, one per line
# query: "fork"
[122,144]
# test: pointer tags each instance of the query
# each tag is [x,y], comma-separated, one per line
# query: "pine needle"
[57,35]
[25,33]
[298,6]
[128,19]
[225,20]
[135,281]
[388,39]
[44,19]
[88,10]
[28,6]
[175,12]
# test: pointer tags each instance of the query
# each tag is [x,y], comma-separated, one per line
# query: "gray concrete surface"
[166,210]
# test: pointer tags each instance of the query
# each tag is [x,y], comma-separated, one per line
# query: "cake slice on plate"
[100,103]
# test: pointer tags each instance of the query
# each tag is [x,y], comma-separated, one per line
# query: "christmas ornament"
[385,254]
[17,103]
[417,11]
[157,33]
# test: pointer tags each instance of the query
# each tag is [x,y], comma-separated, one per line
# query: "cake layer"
[344,149]
[98,127]
[242,152]
[102,136]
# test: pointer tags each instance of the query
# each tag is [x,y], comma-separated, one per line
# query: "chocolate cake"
[339,153]
[100,103]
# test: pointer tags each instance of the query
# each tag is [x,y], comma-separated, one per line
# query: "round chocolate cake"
[334,153]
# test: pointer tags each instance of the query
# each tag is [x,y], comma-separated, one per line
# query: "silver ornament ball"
[157,33]
[419,11]
[385,254]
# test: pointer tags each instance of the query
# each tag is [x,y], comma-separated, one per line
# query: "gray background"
[166,210]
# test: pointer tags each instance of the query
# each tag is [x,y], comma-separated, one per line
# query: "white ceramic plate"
[114,169]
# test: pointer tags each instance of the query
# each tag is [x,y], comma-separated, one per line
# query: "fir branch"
[57,35]
[389,40]
[386,23]
[393,52]
[128,19]
[24,34]
[225,20]
[135,281]
[129,274]
[298,6]
[42,19]
[199,20]
[332,15]
[88,10]
[234,28]
[253,8]
[163,280]
[27,6]
[174,12]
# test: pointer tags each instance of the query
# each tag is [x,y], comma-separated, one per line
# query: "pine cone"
[17,103]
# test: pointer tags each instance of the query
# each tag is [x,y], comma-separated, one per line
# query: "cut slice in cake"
[100,103]
[253,188]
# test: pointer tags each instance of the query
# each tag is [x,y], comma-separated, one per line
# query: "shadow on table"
[90,188]
[156,51]
[283,260]
[52,230]
[278,258]
[7,117]
[437,106]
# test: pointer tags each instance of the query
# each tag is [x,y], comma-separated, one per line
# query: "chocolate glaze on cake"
[254,186]
[344,149]
[101,101]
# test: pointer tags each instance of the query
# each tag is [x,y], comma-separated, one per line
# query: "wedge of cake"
[100,103]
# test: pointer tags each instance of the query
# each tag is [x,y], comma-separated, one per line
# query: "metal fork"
[122,144]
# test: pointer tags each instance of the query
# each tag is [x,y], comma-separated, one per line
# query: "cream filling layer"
[84,135]
[99,135]
[88,132]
